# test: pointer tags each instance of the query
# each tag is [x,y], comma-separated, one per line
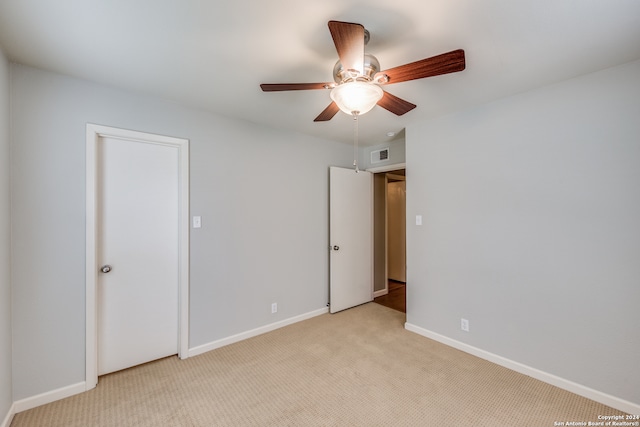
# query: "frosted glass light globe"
[356,97]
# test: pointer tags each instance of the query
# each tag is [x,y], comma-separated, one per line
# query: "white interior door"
[138,239]
[350,238]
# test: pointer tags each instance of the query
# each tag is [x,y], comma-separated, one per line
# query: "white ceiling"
[214,54]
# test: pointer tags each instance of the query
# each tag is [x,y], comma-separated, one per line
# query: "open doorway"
[390,239]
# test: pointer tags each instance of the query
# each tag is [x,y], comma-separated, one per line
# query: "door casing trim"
[377,170]
[93,134]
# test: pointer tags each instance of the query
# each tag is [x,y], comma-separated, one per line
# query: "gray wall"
[531,231]
[6,398]
[262,195]
[396,153]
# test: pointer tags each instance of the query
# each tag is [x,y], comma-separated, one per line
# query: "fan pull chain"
[355,141]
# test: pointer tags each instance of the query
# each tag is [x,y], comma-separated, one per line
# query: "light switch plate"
[197,222]
[418,219]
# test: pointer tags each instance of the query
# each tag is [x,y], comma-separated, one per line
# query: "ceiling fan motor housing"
[371,67]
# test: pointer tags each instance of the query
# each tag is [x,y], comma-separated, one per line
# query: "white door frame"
[94,133]
[381,169]
[397,178]
[387,168]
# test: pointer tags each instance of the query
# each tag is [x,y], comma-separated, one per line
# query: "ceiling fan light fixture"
[361,74]
[356,97]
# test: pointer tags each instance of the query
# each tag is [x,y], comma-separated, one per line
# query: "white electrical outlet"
[464,325]
[274,307]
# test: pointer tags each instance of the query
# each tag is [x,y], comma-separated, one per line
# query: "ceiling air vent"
[380,155]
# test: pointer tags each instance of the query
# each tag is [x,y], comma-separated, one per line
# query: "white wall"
[262,195]
[6,398]
[531,210]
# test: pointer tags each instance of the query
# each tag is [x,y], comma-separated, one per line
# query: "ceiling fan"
[358,78]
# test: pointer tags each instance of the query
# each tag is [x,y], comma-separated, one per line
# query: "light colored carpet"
[359,367]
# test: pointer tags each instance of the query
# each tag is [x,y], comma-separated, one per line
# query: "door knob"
[336,248]
[105,268]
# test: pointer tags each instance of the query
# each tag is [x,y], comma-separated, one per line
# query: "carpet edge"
[204,348]
[554,380]
[48,397]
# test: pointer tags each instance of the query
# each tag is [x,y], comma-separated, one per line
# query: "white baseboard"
[61,393]
[48,397]
[579,389]
[254,332]
[9,417]
[379,293]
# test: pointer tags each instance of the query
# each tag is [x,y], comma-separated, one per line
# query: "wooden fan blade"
[349,41]
[397,106]
[277,87]
[328,113]
[449,62]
